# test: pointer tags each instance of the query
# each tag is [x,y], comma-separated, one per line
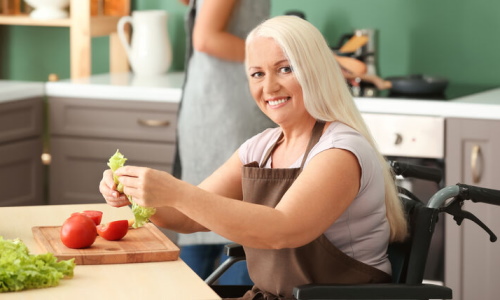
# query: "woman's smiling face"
[272,82]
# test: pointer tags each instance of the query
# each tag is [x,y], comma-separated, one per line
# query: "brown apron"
[276,272]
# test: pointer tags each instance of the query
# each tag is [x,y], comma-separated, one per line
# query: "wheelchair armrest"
[235,253]
[372,291]
[234,250]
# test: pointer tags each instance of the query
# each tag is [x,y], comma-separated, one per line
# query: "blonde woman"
[311,201]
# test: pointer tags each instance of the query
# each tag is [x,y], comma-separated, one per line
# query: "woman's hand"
[380,83]
[107,187]
[185,2]
[148,187]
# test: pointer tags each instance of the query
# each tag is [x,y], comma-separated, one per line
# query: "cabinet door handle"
[46,158]
[474,157]
[154,123]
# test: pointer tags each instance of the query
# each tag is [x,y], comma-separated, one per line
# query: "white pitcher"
[150,51]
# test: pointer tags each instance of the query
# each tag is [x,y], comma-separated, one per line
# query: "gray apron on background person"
[217,112]
[276,272]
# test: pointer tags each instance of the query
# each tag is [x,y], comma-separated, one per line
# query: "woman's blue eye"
[286,69]
[256,74]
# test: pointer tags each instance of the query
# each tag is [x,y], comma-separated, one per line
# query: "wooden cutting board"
[145,244]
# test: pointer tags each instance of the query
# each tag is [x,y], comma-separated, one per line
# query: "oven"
[417,140]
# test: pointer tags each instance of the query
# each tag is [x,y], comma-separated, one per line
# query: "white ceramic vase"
[149,51]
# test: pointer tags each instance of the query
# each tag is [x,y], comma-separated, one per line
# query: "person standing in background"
[217,112]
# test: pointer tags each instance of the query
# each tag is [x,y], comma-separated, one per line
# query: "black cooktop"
[452,91]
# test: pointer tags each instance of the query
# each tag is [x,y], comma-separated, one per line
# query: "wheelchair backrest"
[408,258]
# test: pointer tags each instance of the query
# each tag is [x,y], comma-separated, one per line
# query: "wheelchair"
[407,258]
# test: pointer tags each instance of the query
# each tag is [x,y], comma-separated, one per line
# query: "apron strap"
[315,136]
[317,131]
[270,151]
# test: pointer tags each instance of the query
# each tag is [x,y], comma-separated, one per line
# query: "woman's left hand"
[148,187]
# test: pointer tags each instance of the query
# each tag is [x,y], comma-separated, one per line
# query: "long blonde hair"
[326,95]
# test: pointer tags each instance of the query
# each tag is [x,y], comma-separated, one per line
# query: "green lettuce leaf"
[141,214]
[20,270]
[116,161]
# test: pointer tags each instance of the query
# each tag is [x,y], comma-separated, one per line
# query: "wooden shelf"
[100,25]
[82,28]
[25,20]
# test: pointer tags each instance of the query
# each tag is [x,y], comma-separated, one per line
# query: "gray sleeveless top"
[217,111]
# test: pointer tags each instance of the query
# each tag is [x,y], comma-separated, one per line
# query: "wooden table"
[157,280]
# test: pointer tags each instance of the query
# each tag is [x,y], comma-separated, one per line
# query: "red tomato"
[95,215]
[78,231]
[113,231]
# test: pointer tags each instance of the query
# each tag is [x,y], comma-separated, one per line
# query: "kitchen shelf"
[25,20]
[100,25]
[83,27]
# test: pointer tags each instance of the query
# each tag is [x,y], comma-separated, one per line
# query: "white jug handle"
[120,27]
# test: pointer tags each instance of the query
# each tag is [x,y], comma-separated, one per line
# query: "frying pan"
[417,84]
[407,85]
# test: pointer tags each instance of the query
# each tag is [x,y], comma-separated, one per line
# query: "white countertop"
[15,90]
[120,86]
[126,86]
[484,105]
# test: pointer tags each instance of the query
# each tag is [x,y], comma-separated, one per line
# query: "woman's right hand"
[107,187]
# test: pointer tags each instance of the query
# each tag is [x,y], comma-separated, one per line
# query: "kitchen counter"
[126,86]
[154,280]
[15,90]
[485,105]
[120,86]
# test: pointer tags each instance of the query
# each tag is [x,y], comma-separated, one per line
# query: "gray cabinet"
[86,132]
[21,169]
[472,266]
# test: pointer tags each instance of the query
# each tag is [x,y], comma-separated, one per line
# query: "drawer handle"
[154,123]
[474,157]
[46,158]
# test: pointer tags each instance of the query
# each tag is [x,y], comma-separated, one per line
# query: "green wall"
[459,39]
